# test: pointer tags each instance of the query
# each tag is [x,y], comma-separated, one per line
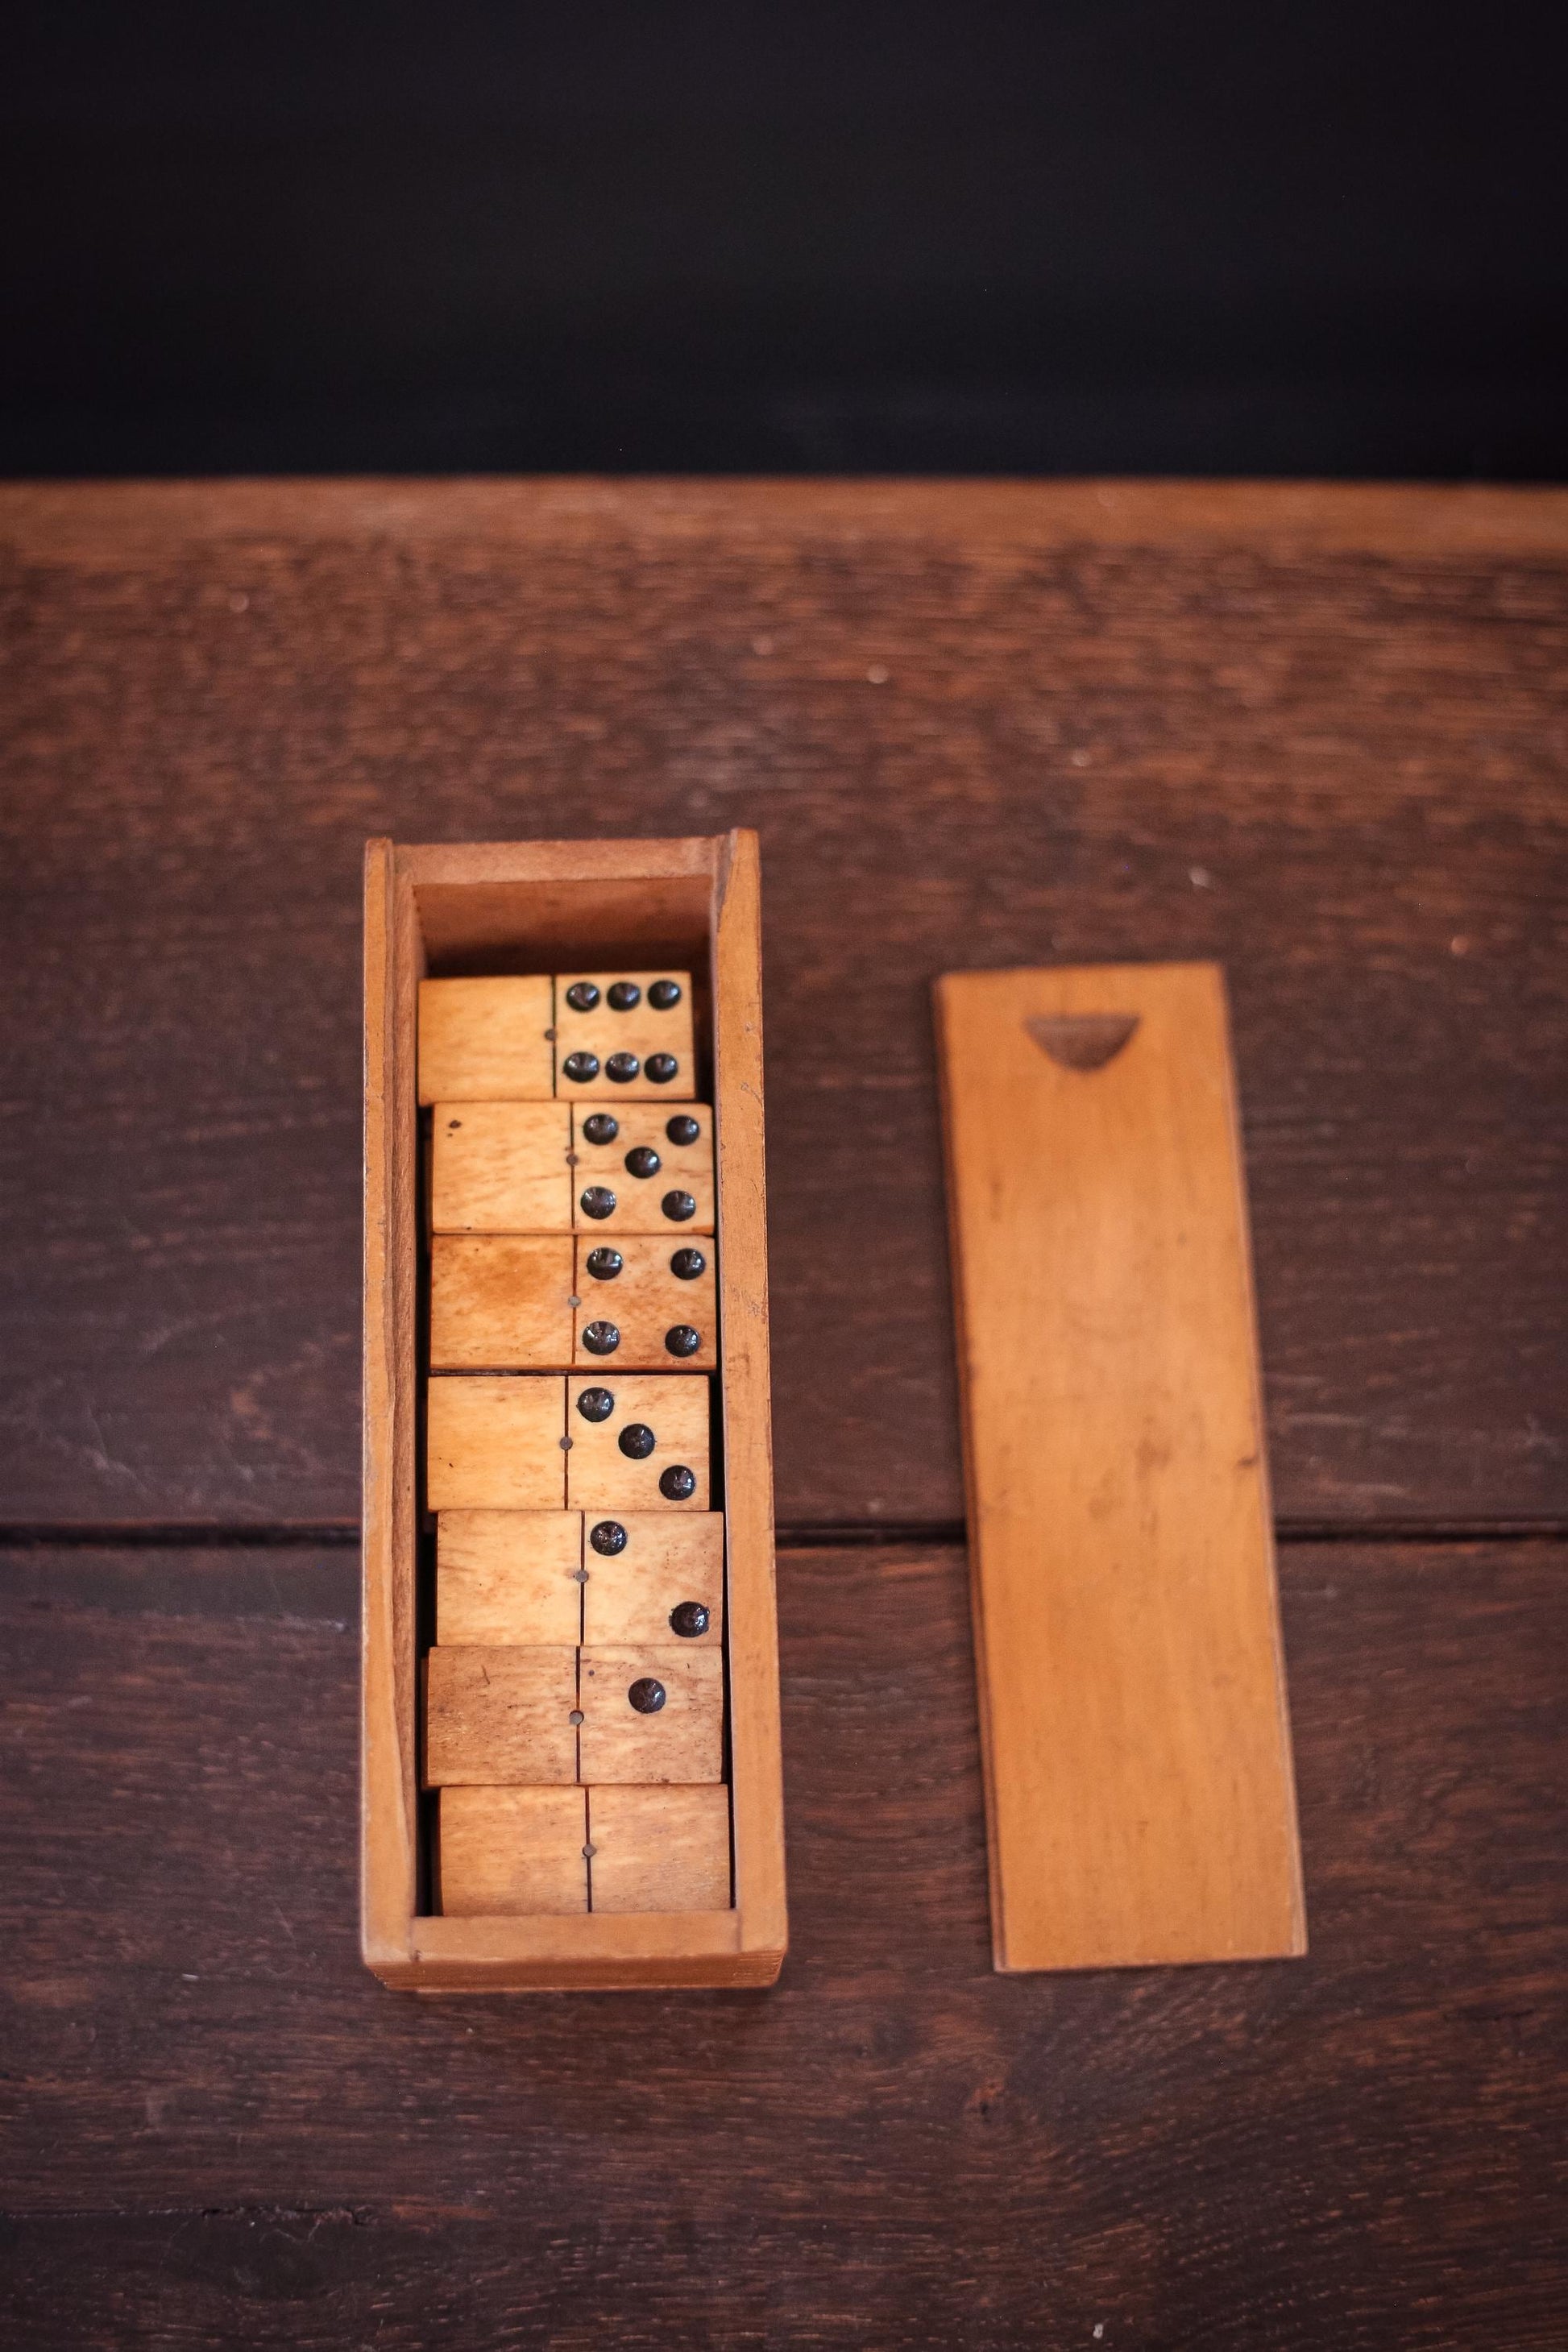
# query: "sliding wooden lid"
[1139,1784]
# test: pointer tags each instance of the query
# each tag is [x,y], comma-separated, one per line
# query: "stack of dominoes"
[574,1689]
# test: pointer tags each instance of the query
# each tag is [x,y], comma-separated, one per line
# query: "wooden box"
[496,910]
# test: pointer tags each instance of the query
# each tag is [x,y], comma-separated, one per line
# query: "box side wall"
[528,905]
[735,1972]
[389,1834]
[756,1755]
[505,907]
[620,1951]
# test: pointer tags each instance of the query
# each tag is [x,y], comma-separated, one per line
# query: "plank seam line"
[795,1535]
[803,1535]
[361,2217]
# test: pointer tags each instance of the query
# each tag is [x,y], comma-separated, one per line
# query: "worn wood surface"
[486,1040]
[509,1576]
[500,1714]
[640,1200]
[510,1851]
[660,1849]
[683,1740]
[501,1301]
[501,1167]
[643,1299]
[1133,1714]
[676,1407]
[389,1699]
[1315,734]
[230,2134]
[495,1444]
[669,1560]
[601,1030]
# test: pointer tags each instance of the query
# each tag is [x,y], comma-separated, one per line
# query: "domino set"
[571,1747]
[575,1691]
[570,1728]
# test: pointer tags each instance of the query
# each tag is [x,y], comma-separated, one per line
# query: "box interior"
[478,929]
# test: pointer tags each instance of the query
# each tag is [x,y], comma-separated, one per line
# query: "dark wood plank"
[1314,734]
[224,2131]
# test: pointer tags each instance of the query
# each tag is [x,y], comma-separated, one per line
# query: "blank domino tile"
[640,1442]
[643,1168]
[510,1577]
[496,1716]
[501,1167]
[495,1444]
[651,1714]
[654,1578]
[500,1302]
[647,1302]
[660,1849]
[612,1050]
[486,1040]
[512,1852]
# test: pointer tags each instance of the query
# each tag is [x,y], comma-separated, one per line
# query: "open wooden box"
[538,906]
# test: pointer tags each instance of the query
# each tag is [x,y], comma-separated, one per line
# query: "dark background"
[1102,236]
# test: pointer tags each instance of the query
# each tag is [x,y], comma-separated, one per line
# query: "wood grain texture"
[647,1716]
[501,1167]
[752,1635]
[669,1557]
[657,1849]
[223,2131]
[640,1200]
[502,1302]
[681,1740]
[498,1715]
[1136,1744]
[1310,733]
[495,1444]
[509,1576]
[393,968]
[510,1851]
[676,1406]
[646,1300]
[608,1951]
[602,1030]
[486,1040]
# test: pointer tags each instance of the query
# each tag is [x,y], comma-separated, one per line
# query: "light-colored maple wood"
[494,1716]
[640,1201]
[486,1040]
[501,1167]
[519,909]
[1138,1767]
[676,1406]
[511,1576]
[683,1741]
[495,1444]
[660,1849]
[668,1558]
[644,1300]
[640,1030]
[393,960]
[511,1852]
[500,1302]
[756,1748]
[606,1951]
[521,905]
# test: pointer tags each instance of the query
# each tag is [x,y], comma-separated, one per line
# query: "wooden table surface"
[1317,733]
